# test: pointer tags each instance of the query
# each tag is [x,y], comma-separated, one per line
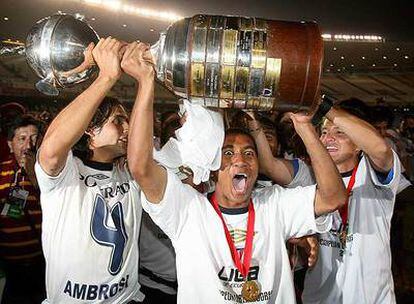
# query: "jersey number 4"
[109,236]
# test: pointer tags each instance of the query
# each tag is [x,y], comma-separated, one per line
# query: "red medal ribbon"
[244,266]
[344,210]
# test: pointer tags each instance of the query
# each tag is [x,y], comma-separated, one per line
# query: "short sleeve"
[324,223]
[297,212]
[393,179]
[48,183]
[293,208]
[303,176]
[171,213]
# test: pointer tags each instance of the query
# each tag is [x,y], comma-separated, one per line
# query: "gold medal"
[250,291]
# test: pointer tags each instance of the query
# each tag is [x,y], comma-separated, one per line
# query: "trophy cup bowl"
[55,49]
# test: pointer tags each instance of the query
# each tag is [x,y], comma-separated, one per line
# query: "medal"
[250,291]
[342,237]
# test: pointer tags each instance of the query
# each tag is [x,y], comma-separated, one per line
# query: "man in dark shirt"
[21,217]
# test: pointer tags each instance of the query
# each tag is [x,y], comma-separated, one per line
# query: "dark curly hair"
[104,111]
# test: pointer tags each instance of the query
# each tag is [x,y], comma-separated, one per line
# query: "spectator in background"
[269,130]
[8,112]
[291,146]
[21,217]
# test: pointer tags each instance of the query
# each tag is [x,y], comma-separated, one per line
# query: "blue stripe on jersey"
[295,163]
[385,177]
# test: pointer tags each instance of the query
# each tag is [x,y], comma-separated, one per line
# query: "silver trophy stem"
[48,86]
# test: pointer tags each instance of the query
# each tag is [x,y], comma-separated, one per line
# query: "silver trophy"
[55,50]
[215,61]
[241,62]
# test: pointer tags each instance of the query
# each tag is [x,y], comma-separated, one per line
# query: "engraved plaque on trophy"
[245,63]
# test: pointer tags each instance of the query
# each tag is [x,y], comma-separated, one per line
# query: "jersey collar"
[98,165]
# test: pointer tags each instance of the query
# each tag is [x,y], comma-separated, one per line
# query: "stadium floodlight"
[121,6]
[352,38]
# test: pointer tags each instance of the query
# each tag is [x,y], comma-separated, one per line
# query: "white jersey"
[360,272]
[302,176]
[403,184]
[205,270]
[91,221]
[156,254]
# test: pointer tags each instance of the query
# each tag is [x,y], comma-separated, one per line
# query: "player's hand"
[301,120]
[107,55]
[297,118]
[252,123]
[138,62]
[89,61]
[310,246]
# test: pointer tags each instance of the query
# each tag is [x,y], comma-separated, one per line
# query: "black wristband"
[324,107]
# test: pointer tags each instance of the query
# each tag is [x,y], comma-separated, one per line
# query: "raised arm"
[278,169]
[330,192]
[70,124]
[365,137]
[137,62]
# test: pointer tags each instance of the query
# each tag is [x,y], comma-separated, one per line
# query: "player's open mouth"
[240,183]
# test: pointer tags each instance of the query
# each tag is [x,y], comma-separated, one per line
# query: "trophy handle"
[48,86]
[156,51]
